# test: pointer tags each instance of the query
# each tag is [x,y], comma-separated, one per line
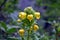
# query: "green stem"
[28,35]
[56,33]
[22,38]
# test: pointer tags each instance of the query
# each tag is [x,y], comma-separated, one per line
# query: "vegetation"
[26,27]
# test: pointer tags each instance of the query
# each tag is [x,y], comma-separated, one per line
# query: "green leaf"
[12,30]
[4,26]
[58,29]
[12,39]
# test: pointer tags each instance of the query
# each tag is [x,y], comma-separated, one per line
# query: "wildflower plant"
[28,20]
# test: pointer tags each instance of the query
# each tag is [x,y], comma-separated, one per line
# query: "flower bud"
[36,27]
[21,32]
[30,17]
[37,15]
[18,20]
[28,8]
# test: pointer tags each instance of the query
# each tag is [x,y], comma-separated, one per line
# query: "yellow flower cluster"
[28,16]
[23,15]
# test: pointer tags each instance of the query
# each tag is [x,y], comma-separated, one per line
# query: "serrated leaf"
[12,30]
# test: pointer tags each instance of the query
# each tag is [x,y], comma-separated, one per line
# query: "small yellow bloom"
[37,15]
[22,15]
[18,20]
[21,32]
[36,27]
[30,17]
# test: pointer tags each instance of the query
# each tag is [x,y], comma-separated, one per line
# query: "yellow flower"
[36,27]
[22,15]
[21,32]
[37,15]
[18,20]
[30,17]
